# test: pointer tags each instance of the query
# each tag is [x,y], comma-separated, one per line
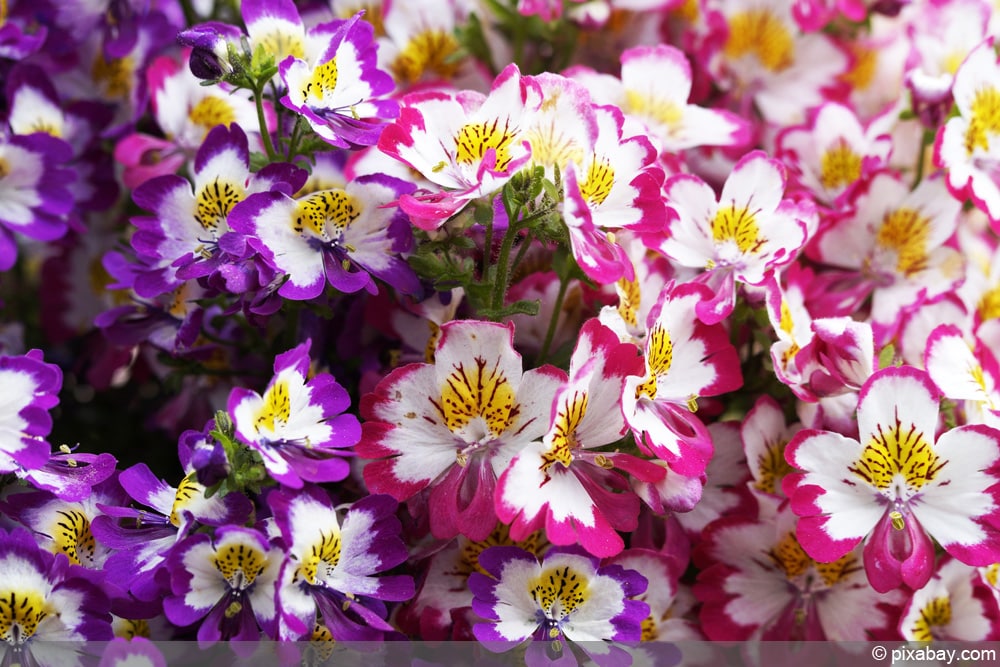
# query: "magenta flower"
[899,486]
[454,426]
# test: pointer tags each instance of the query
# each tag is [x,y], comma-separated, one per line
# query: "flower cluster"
[581,323]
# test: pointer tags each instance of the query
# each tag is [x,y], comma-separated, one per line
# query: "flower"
[228,580]
[31,389]
[455,425]
[560,486]
[757,582]
[968,145]
[565,595]
[183,239]
[35,199]
[329,576]
[334,82]
[464,142]
[685,359]
[898,485]
[955,605]
[44,600]
[745,234]
[297,425]
[342,236]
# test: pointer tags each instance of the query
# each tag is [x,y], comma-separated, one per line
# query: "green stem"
[553,321]
[258,96]
[190,17]
[487,251]
[926,141]
[522,251]
[503,264]
[293,143]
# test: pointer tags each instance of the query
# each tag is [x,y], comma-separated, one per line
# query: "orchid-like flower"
[898,486]
[466,143]
[968,146]
[331,575]
[970,374]
[181,239]
[685,359]
[955,605]
[559,484]
[757,582]
[566,595]
[893,246]
[342,236]
[297,425]
[226,582]
[455,425]
[335,82]
[31,389]
[744,234]
[44,599]
[654,89]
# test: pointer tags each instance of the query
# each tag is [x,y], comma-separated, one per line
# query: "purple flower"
[334,83]
[297,425]
[330,577]
[183,238]
[227,580]
[35,196]
[209,44]
[203,453]
[566,595]
[43,598]
[342,236]
[30,390]
[145,539]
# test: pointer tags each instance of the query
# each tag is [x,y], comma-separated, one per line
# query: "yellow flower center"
[738,225]
[906,232]
[326,213]
[772,467]
[133,627]
[282,41]
[629,298]
[992,574]
[325,554]
[661,111]
[276,407]
[600,180]
[72,536]
[114,74]
[984,120]
[468,561]
[898,451]
[558,592]
[322,81]
[429,51]
[840,166]
[239,564]
[862,72]
[659,357]
[20,614]
[551,147]
[211,111]
[792,559]
[214,202]
[935,614]
[474,140]
[989,304]
[187,490]
[481,392]
[568,419]
[760,33]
